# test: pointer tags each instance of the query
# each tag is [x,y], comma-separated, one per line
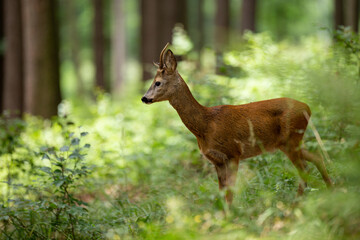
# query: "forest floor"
[120,169]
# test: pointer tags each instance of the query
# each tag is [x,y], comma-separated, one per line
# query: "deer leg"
[227,177]
[226,170]
[319,163]
[300,164]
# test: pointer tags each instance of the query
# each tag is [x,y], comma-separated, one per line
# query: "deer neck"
[192,113]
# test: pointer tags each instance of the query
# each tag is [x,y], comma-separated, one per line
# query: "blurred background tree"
[41,57]
[13,88]
[346,14]
[75,47]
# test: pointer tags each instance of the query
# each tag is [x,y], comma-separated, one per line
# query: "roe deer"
[227,134]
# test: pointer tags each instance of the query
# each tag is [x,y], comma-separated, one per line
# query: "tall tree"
[73,41]
[248,16]
[195,25]
[1,54]
[171,13]
[167,19]
[181,13]
[339,13]
[352,14]
[346,14]
[99,44]
[222,22]
[118,42]
[41,57]
[13,81]
[199,30]
[158,18]
[149,36]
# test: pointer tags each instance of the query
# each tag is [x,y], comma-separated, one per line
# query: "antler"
[161,65]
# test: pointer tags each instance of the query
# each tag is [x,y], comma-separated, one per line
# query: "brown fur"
[227,134]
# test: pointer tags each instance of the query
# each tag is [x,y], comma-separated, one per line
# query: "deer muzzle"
[146,100]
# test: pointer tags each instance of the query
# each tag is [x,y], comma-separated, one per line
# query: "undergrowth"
[134,172]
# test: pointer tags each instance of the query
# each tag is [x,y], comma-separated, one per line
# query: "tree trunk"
[73,38]
[171,13]
[166,22]
[99,44]
[158,18]
[346,13]
[222,22]
[149,37]
[199,31]
[248,16]
[1,55]
[352,14]
[13,83]
[118,42]
[339,14]
[41,57]
[181,13]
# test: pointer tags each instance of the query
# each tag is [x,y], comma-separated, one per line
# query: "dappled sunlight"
[149,179]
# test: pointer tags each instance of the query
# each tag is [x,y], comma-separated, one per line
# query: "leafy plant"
[10,142]
[349,41]
[50,207]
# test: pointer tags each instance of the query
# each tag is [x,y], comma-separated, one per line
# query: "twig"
[37,234]
[318,138]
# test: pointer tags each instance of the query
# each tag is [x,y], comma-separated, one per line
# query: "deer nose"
[145,100]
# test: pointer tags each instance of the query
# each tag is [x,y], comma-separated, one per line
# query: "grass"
[149,181]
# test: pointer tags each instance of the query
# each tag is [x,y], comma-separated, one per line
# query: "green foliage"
[348,42]
[150,181]
[48,207]
[293,19]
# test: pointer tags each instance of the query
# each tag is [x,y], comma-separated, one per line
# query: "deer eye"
[157,84]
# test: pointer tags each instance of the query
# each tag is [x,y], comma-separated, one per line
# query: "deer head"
[165,81]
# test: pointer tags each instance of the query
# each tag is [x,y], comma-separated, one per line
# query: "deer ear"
[170,61]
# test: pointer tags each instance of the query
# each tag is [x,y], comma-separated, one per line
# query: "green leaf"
[74,155]
[59,183]
[45,156]
[64,149]
[43,148]
[46,169]
[61,159]
[83,134]
[4,218]
[87,145]
[75,141]
[58,164]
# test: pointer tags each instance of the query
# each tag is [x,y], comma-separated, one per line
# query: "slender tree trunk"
[339,13]
[149,36]
[118,42]
[166,22]
[181,13]
[74,45]
[41,57]
[158,18]
[107,48]
[13,84]
[1,55]
[172,12]
[222,22]
[346,13]
[352,14]
[248,16]
[99,44]
[199,31]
